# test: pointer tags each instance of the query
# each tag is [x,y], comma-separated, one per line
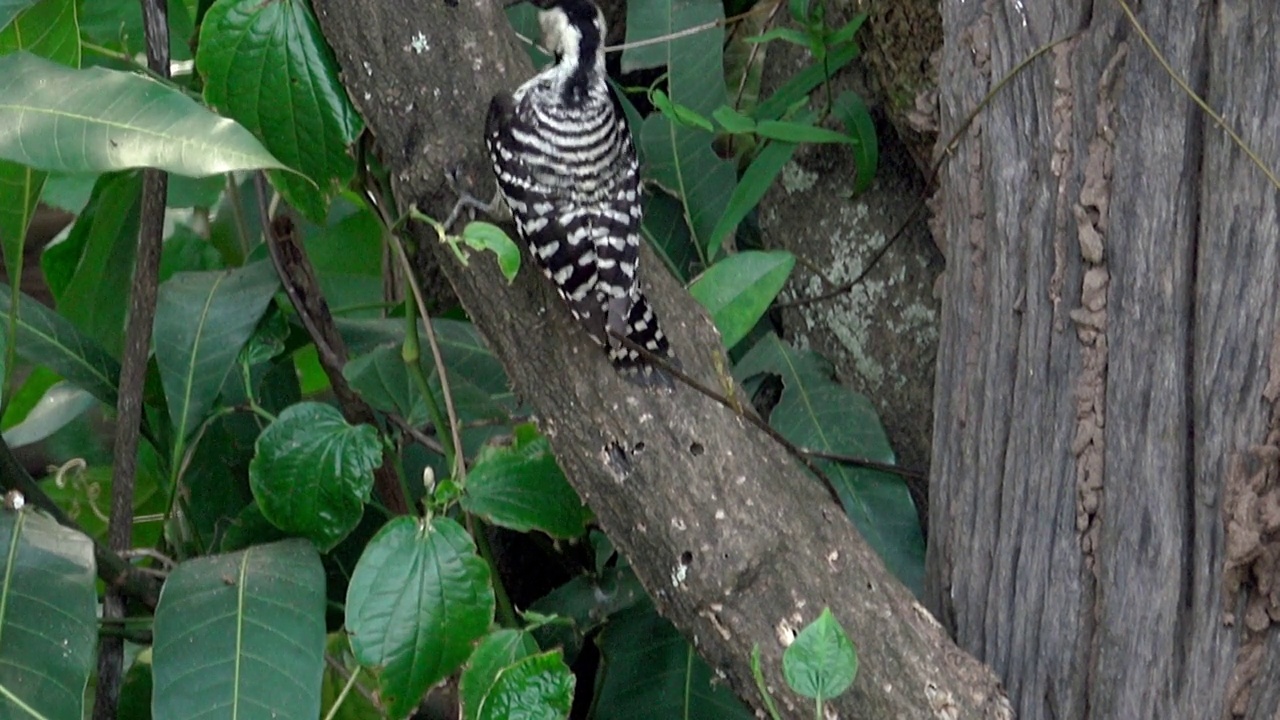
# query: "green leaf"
[45,338]
[733,121]
[97,120]
[48,616]
[9,9]
[347,257]
[360,702]
[135,691]
[202,321]
[817,413]
[682,162]
[799,10]
[539,687]
[419,598]
[853,112]
[679,158]
[650,671]
[797,89]
[497,651]
[47,29]
[755,182]
[60,404]
[798,132]
[117,25]
[822,662]
[69,192]
[268,66]
[487,236]
[588,602]
[682,114]
[91,272]
[662,18]
[312,472]
[785,34]
[242,635]
[521,487]
[738,290]
[382,379]
[27,396]
[845,34]
[668,233]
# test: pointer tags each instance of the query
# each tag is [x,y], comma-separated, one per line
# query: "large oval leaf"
[312,472]
[242,635]
[48,616]
[419,598]
[202,321]
[738,290]
[95,120]
[268,66]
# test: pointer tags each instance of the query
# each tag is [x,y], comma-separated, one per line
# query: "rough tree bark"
[1105,505]
[735,543]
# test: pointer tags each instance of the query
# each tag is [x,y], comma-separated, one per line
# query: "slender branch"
[303,290]
[133,371]
[460,467]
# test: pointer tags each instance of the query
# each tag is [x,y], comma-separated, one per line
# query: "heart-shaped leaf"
[312,472]
[419,598]
[821,663]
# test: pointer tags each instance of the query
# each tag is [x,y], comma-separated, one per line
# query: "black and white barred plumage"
[567,169]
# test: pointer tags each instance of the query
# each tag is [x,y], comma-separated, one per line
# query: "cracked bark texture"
[666,473]
[1105,499]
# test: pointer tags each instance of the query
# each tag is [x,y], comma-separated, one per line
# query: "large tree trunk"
[1105,505]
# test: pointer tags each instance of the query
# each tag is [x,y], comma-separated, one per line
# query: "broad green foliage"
[520,487]
[295,103]
[821,663]
[651,672]
[815,412]
[44,337]
[419,597]
[313,472]
[202,321]
[242,634]
[245,446]
[95,120]
[738,290]
[47,616]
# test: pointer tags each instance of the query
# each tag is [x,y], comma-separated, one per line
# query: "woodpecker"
[566,167]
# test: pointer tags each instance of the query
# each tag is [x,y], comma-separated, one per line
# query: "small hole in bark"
[686,558]
[638,447]
[696,449]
